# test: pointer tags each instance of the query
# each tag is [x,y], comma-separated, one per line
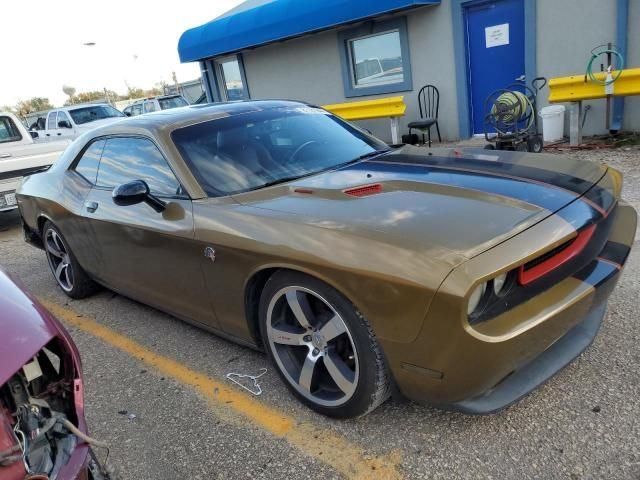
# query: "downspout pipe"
[622,25]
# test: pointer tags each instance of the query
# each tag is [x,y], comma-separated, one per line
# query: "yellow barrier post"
[575,89]
[391,107]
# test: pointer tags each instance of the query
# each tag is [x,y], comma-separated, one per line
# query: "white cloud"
[136,42]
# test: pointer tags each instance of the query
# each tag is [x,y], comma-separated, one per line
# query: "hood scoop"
[364,190]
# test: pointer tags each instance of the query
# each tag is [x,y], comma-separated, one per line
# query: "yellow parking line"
[319,443]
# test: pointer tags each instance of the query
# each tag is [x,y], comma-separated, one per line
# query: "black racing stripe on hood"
[532,174]
[534,193]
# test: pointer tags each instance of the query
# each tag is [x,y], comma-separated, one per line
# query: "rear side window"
[51,121]
[127,158]
[87,166]
[9,131]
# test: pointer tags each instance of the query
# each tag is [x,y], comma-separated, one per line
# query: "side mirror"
[34,134]
[64,124]
[134,192]
[128,114]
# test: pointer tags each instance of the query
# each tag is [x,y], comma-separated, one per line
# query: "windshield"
[94,112]
[253,150]
[172,102]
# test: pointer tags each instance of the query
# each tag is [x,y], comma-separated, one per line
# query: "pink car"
[43,432]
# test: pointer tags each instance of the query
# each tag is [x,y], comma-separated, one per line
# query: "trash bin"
[552,123]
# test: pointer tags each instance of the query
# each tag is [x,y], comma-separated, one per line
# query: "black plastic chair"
[428,103]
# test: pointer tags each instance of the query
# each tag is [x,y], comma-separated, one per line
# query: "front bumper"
[485,367]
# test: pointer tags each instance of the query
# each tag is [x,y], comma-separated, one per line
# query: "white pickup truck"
[20,155]
[72,121]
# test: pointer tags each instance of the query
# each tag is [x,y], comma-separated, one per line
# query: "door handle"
[59,134]
[91,206]
[5,155]
[48,134]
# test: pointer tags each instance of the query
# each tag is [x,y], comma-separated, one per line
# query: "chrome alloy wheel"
[312,346]
[59,261]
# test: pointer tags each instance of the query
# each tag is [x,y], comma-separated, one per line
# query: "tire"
[522,147]
[67,272]
[489,146]
[535,144]
[333,364]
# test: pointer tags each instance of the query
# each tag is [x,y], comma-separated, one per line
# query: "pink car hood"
[25,327]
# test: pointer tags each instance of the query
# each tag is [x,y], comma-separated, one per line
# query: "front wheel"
[323,348]
[69,275]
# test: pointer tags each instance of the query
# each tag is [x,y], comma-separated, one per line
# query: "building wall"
[567,30]
[309,69]
[632,104]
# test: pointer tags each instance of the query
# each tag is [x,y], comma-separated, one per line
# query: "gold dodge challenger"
[459,278]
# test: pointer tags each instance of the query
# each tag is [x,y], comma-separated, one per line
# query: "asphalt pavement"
[156,390]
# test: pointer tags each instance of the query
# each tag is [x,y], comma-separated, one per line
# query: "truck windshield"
[172,102]
[92,113]
[258,149]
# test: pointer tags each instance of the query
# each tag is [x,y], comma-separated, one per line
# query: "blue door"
[495,51]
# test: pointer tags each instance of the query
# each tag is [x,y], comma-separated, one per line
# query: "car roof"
[81,105]
[167,120]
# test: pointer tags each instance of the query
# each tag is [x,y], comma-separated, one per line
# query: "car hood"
[25,325]
[461,201]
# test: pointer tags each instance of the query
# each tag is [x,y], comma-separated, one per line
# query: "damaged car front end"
[43,432]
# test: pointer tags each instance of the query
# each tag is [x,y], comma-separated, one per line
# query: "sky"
[135,43]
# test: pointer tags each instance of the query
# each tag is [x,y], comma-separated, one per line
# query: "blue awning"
[258,22]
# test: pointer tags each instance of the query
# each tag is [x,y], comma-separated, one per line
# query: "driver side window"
[129,158]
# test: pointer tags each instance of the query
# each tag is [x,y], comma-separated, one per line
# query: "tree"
[85,97]
[35,104]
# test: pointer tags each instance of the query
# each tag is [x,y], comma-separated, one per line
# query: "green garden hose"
[511,107]
[595,53]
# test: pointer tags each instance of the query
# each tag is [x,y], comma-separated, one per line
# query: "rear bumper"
[483,368]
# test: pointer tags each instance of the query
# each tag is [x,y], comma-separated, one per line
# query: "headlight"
[499,282]
[476,296]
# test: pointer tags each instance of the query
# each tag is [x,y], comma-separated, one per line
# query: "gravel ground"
[583,424]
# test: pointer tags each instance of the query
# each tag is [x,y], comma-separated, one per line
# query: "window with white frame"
[375,58]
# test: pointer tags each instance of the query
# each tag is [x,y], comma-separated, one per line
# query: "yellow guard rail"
[574,88]
[391,107]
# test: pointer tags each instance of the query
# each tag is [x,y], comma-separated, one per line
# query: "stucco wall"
[567,30]
[309,68]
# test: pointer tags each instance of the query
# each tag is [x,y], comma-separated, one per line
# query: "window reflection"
[127,159]
[377,59]
[232,78]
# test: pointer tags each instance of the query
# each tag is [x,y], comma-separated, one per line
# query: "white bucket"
[552,123]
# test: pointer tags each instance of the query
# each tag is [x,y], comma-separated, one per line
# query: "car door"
[149,106]
[65,126]
[51,129]
[150,256]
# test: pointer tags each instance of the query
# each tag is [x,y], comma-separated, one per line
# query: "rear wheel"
[68,273]
[535,144]
[323,348]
